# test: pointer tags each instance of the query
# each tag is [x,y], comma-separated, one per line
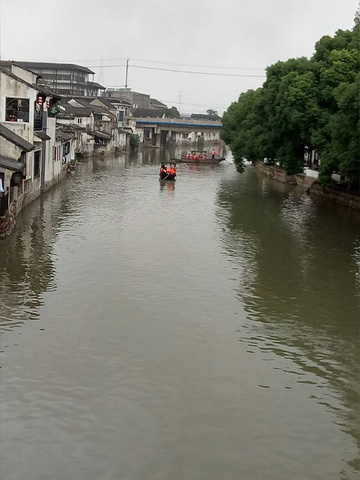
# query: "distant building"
[157,105]
[205,116]
[66,78]
[136,99]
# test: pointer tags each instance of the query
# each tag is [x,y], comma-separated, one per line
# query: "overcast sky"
[235,38]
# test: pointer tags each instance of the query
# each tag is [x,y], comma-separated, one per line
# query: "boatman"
[171,170]
[163,170]
[213,153]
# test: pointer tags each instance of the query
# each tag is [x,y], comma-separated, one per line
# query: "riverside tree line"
[304,105]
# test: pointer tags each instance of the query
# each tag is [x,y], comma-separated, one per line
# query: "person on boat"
[188,156]
[163,170]
[171,170]
[213,153]
[204,156]
[195,156]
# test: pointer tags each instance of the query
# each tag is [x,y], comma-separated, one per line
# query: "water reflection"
[140,317]
[297,277]
[26,263]
[168,186]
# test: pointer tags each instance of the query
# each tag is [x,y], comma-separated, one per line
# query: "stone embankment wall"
[337,195]
[275,173]
[334,194]
[304,180]
[8,222]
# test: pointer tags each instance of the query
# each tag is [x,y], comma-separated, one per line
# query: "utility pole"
[43,145]
[0,27]
[179,100]
[126,74]
[101,73]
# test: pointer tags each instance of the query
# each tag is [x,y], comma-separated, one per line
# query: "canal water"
[207,329]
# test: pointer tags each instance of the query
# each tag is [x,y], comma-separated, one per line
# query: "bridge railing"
[178,122]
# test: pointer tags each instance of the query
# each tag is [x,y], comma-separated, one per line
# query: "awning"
[40,134]
[15,139]
[11,164]
[61,135]
[101,135]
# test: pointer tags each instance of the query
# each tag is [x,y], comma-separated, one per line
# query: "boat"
[208,161]
[167,173]
[201,158]
[167,177]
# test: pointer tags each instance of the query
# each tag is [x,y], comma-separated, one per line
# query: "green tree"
[342,154]
[337,63]
[304,105]
[134,141]
[242,129]
[357,16]
[172,112]
[290,107]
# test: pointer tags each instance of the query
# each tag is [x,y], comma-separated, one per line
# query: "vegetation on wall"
[304,105]
[134,141]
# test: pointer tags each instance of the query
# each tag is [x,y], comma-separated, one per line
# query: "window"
[79,120]
[37,164]
[66,148]
[121,115]
[17,110]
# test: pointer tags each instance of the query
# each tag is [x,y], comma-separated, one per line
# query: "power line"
[199,73]
[199,66]
[219,67]
[106,66]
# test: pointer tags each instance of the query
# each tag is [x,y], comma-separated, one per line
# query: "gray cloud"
[225,36]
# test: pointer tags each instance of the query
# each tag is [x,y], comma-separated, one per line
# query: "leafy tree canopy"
[304,104]
[172,112]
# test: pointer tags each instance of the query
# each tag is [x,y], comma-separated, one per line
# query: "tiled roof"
[104,101]
[95,85]
[85,101]
[15,139]
[156,103]
[40,134]
[121,101]
[11,164]
[96,133]
[200,116]
[147,113]
[55,66]
[61,135]
[75,111]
